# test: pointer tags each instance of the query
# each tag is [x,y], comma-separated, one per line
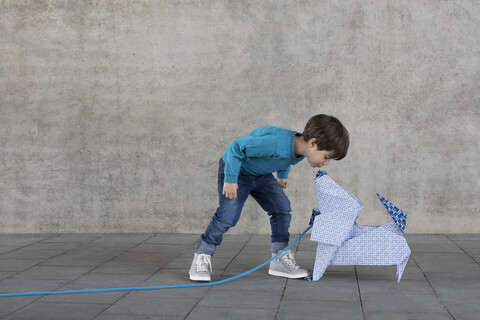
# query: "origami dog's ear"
[397,215]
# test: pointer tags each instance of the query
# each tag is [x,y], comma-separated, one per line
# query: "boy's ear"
[312,142]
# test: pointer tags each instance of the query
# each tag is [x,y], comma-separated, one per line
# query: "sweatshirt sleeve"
[249,146]
[283,174]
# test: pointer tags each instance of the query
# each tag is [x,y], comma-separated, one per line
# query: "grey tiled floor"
[441,281]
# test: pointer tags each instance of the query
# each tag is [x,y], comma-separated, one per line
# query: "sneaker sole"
[286,275]
[195,278]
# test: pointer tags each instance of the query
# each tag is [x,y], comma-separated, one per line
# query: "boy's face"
[318,158]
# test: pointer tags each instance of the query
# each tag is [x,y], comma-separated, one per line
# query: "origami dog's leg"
[401,268]
[325,254]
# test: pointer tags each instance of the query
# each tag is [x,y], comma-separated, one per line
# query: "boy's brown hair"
[330,135]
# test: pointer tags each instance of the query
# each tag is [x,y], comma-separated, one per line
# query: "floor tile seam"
[26,305]
[467,273]
[162,267]
[114,302]
[95,316]
[109,242]
[91,268]
[463,304]
[15,250]
[408,312]
[466,253]
[437,253]
[433,289]
[445,273]
[66,252]
[70,302]
[36,265]
[120,274]
[297,246]
[31,235]
[40,241]
[236,255]
[243,291]
[312,300]
[94,268]
[135,315]
[359,293]
[115,256]
[198,301]
[396,293]
[282,298]
[283,294]
[127,292]
[63,265]
[331,285]
[234,308]
[387,294]
[62,234]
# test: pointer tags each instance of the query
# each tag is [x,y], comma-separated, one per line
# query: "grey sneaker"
[201,267]
[285,266]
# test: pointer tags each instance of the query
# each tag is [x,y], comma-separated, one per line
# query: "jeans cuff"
[277,246]
[205,248]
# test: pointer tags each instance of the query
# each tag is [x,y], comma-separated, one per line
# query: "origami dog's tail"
[400,219]
[397,215]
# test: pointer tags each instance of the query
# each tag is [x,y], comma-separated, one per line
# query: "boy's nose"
[325,163]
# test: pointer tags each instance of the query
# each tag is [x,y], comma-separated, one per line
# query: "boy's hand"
[284,183]
[230,190]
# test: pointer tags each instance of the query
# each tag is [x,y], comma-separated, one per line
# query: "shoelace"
[289,260]
[204,263]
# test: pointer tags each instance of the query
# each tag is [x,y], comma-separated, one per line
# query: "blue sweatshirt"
[263,151]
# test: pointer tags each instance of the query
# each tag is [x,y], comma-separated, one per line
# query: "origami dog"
[342,242]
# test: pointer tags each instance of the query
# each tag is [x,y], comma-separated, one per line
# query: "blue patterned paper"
[342,242]
[397,215]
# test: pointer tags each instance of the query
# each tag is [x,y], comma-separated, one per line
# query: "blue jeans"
[267,192]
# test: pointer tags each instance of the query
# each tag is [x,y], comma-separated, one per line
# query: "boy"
[246,169]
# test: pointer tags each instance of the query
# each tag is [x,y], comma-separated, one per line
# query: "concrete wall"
[113,114]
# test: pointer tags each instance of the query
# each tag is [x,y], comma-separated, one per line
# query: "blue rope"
[155,288]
